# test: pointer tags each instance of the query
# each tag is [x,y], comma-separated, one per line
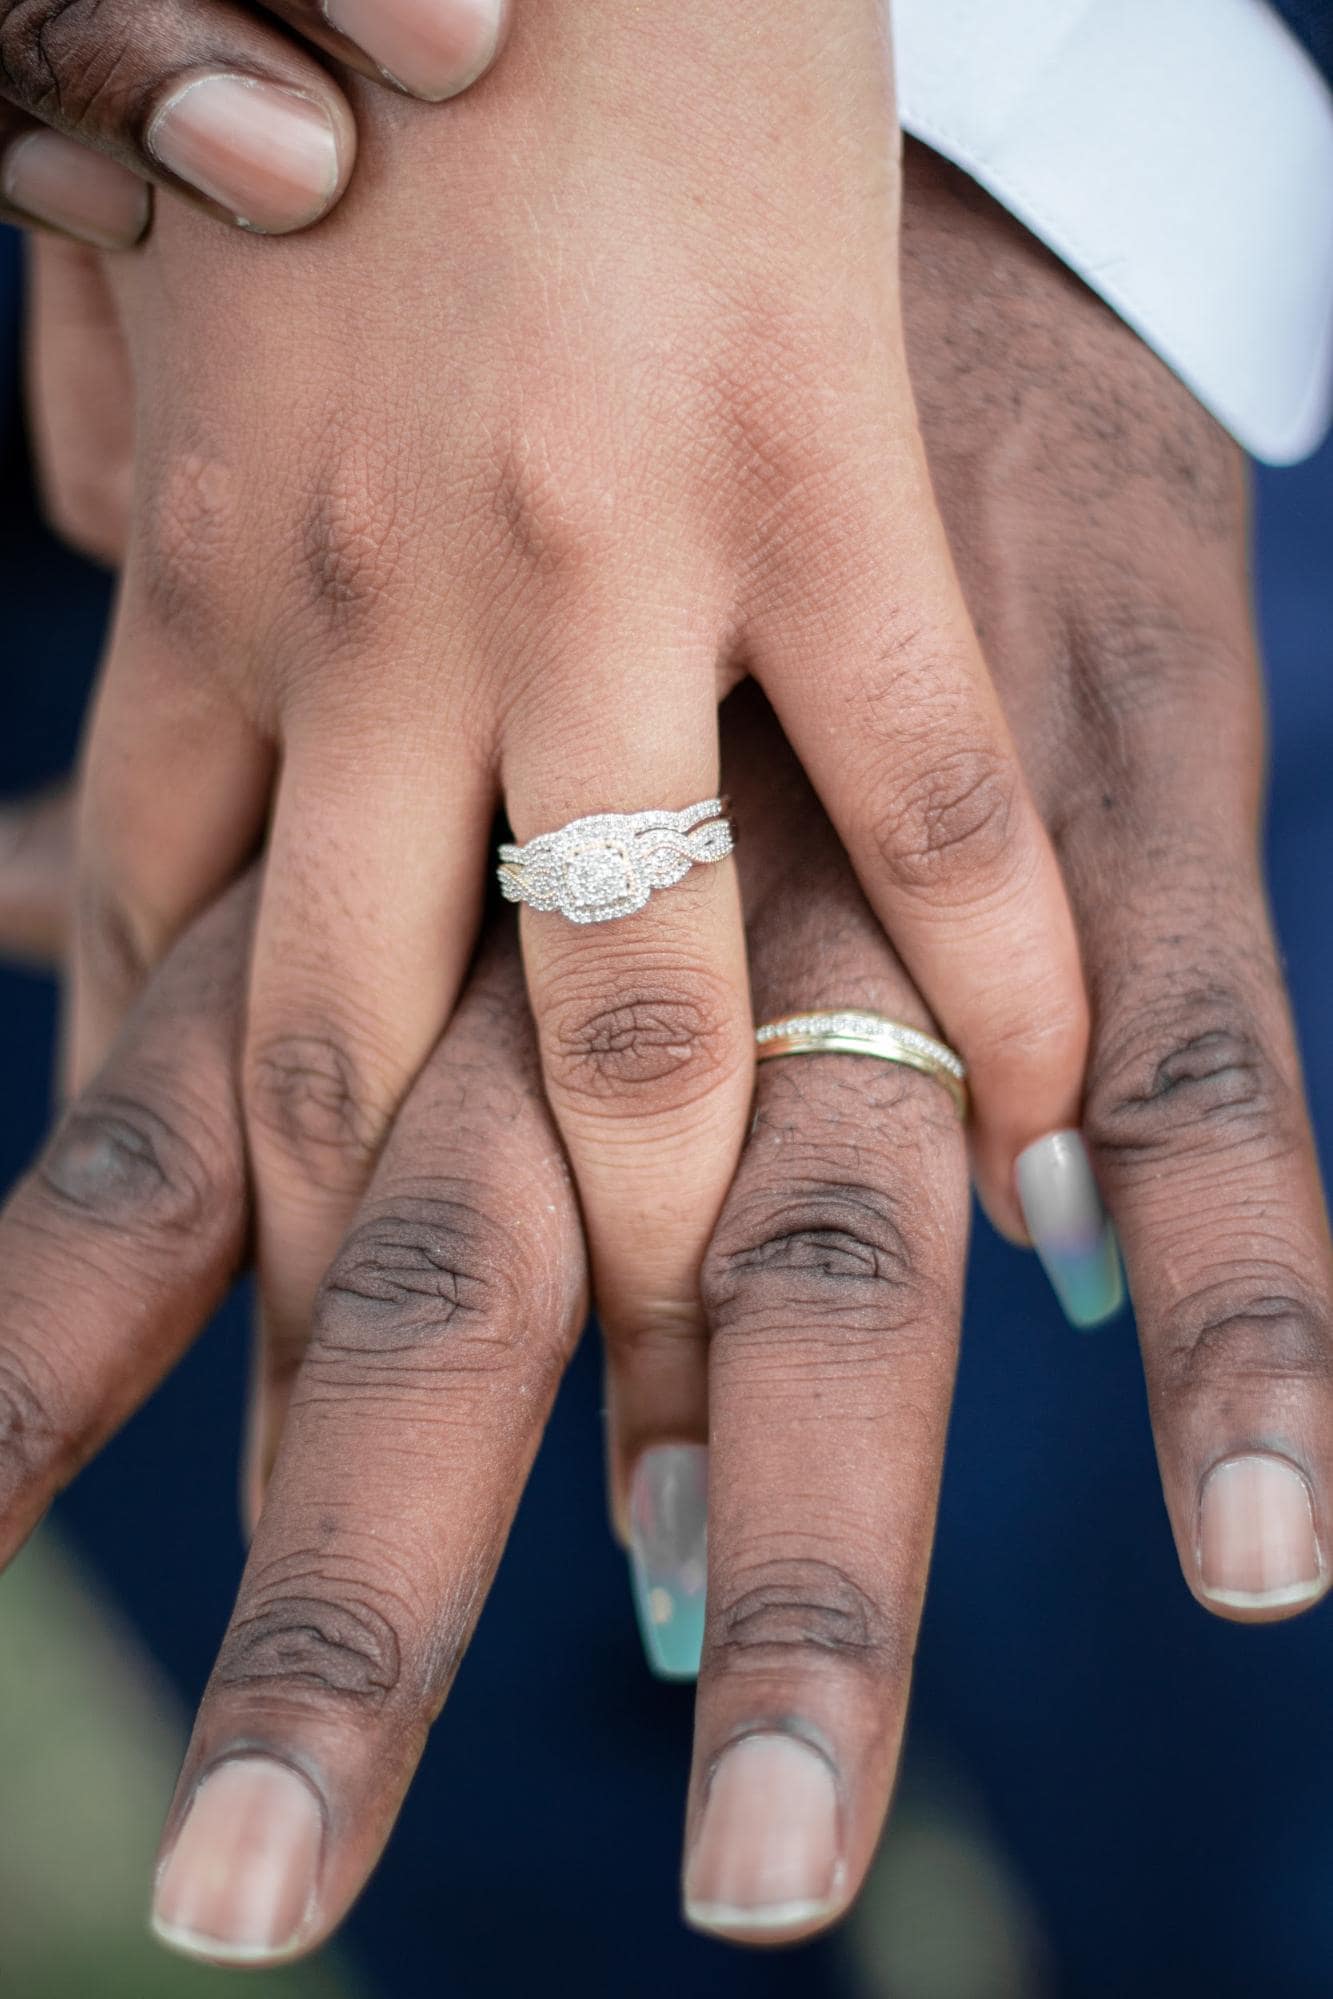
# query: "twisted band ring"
[607,865]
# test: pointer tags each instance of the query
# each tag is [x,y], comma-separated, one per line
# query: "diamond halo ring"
[607,865]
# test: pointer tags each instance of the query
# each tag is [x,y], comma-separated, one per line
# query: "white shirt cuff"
[1177,154]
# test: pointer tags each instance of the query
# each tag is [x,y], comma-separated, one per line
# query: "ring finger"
[833,1286]
[643,1023]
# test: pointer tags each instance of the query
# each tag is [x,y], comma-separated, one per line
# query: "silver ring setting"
[606,866]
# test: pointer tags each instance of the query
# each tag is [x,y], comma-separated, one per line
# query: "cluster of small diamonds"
[863,1027]
[566,872]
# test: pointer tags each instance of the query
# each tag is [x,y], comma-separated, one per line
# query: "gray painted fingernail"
[668,1536]
[1070,1228]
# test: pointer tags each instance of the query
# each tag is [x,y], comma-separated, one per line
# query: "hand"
[504,532]
[1099,521]
[1216,1406]
[437,1343]
[1147,614]
[209,101]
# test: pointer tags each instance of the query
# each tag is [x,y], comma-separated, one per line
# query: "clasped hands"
[497,502]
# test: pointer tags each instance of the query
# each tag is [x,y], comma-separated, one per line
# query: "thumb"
[36,876]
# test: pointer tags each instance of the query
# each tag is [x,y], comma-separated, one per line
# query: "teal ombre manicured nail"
[1070,1229]
[668,1527]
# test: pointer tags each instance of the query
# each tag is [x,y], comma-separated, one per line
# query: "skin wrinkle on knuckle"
[1182,1074]
[662,1045]
[788,1612]
[315,1635]
[435,1288]
[60,61]
[825,1245]
[1252,1323]
[306,1094]
[115,1161]
[948,833]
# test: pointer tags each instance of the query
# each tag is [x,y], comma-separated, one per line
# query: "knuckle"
[659,1047]
[1132,665]
[829,1247]
[951,826]
[770,1610]
[308,1632]
[1250,1323]
[34,1442]
[304,1092]
[57,60]
[352,536]
[1183,1073]
[188,527]
[554,524]
[119,1163]
[436,1288]
[431,1270]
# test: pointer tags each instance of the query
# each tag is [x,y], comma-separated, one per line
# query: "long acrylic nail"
[267,155]
[430,48]
[1070,1229]
[668,1528]
[238,1885]
[767,1857]
[1258,1549]
[57,181]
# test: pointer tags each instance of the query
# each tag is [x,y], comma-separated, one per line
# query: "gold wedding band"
[847,1033]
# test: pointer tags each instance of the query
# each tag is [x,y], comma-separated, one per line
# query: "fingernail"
[1258,1548]
[237,1886]
[431,48]
[267,155]
[767,1854]
[1070,1229]
[55,180]
[668,1539]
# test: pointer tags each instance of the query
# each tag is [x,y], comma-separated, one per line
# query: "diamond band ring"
[607,865]
[845,1032]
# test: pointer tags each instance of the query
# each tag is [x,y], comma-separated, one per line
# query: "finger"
[121,1241]
[368,921]
[834,1288]
[206,100]
[1198,1125]
[432,49]
[438,1343]
[644,1027]
[879,682]
[80,398]
[54,182]
[172,803]
[36,876]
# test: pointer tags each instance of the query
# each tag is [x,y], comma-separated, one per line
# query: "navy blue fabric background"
[1312,20]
